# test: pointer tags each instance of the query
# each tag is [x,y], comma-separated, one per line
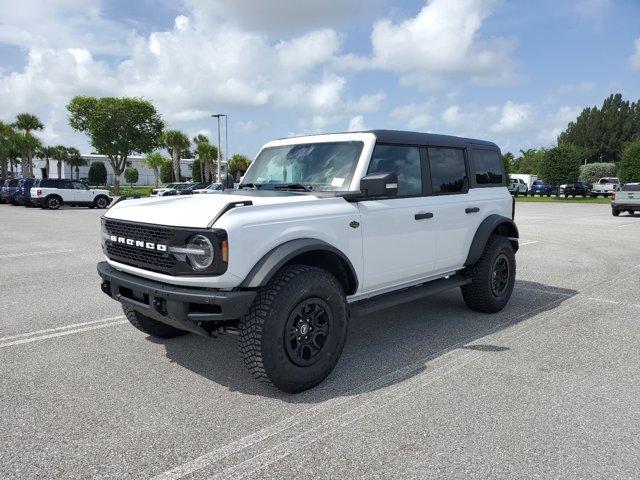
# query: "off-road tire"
[263,330]
[101,202]
[150,326]
[615,212]
[479,295]
[53,203]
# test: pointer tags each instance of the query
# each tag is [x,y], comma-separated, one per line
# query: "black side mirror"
[379,184]
[227,182]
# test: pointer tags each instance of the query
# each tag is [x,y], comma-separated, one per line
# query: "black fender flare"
[486,228]
[274,260]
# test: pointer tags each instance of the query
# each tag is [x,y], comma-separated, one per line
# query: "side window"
[66,184]
[79,186]
[488,167]
[405,161]
[447,168]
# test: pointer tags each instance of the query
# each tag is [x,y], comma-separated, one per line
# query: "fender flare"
[274,260]
[485,230]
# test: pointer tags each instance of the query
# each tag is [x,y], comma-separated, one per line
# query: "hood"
[195,211]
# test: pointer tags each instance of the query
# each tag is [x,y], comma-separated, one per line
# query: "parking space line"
[60,333]
[529,242]
[43,252]
[56,329]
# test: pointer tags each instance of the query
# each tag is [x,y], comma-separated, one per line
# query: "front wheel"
[53,203]
[101,202]
[492,277]
[294,333]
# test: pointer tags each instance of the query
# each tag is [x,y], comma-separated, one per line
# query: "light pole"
[218,115]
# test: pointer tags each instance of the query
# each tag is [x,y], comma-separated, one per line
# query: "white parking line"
[43,252]
[60,331]
[529,242]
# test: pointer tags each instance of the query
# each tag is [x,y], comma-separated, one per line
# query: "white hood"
[195,211]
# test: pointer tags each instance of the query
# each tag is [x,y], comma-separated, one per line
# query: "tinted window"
[447,169]
[79,186]
[488,167]
[631,187]
[405,161]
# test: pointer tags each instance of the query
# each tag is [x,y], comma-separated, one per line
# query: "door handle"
[423,216]
[471,210]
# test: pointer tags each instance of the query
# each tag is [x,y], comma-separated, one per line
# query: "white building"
[145,174]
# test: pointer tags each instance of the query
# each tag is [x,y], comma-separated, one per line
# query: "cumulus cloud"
[356,124]
[556,122]
[635,58]
[443,39]
[413,116]
[514,117]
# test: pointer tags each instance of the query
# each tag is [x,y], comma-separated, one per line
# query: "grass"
[127,191]
[562,199]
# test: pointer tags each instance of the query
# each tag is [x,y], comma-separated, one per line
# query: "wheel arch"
[52,195]
[493,224]
[304,251]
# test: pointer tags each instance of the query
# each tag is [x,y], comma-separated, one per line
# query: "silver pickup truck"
[627,199]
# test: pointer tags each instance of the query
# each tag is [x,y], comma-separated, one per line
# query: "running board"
[392,299]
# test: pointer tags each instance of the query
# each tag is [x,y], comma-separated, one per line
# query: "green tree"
[60,155]
[46,154]
[560,164]
[131,175]
[166,172]
[6,147]
[75,161]
[592,172]
[196,171]
[508,160]
[27,144]
[27,123]
[155,161]
[602,132]
[208,156]
[238,165]
[528,162]
[629,167]
[175,141]
[117,127]
[97,174]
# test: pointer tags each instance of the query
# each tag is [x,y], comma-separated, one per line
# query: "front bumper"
[186,308]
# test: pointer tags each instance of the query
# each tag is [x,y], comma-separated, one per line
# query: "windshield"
[631,187]
[320,166]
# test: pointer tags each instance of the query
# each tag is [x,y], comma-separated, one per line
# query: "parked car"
[539,187]
[169,189]
[626,199]
[325,227]
[9,190]
[52,193]
[214,187]
[517,186]
[577,188]
[189,189]
[23,191]
[605,186]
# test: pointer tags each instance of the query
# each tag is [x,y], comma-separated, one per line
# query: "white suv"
[52,193]
[322,227]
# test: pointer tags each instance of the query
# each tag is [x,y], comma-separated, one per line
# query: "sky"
[513,71]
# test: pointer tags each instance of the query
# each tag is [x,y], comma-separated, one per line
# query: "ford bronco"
[321,229]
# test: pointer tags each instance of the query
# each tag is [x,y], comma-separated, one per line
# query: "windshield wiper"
[293,186]
[250,185]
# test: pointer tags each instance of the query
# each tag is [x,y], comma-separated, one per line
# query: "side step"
[392,299]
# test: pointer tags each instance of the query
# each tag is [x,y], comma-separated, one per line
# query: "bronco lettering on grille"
[138,243]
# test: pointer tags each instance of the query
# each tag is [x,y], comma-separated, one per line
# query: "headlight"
[199,252]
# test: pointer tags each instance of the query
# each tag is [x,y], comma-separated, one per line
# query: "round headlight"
[201,252]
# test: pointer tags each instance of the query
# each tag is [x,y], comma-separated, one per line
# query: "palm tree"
[175,141]
[74,160]
[28,122]
[238,164]
[6,134]
[207,154]
[60,155]
[46,153]
[27,145]
[154,161]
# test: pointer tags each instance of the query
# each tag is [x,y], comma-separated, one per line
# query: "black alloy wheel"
[500,275]
[307,331]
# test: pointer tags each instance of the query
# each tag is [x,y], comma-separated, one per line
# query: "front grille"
[140,257]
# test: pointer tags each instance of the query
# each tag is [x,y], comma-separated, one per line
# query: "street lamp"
[218,115]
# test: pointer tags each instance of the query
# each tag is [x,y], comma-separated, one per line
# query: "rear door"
[398,233]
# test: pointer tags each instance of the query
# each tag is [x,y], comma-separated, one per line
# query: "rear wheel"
[295,330]
[53,203]
[492,277]
[150,326]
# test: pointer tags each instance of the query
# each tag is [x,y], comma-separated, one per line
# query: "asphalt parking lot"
[547,388]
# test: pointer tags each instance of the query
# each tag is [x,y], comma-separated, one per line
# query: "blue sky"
[514,72]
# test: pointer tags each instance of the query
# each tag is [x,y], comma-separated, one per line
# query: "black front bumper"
[186,308]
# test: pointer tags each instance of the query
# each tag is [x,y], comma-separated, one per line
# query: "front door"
[398,233]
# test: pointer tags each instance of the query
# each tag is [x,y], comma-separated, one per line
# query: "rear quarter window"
[487,167]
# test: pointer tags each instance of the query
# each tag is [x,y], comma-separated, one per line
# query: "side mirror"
[379,184]
[227,182]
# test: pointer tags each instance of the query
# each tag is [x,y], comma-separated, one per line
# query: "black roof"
[418,138]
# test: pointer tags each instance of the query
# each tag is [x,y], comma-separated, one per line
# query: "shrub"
[560,164]
[131,175]
[592,172]
[166,172]
[629,168]
[97,174]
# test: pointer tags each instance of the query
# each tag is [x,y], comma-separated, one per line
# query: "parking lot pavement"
[548,387]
